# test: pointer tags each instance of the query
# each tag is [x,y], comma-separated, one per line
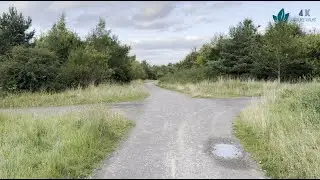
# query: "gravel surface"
[175,137]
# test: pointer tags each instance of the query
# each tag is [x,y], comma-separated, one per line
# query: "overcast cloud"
[159,32]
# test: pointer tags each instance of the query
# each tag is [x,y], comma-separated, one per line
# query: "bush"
[28,69]
[186,75]
[85,65]
[137,71]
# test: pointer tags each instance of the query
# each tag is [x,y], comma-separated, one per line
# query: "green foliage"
[236,57]
[208,52]
[137,71]
[85,65]
[284,52]
[28,69]
[281,51]
[119,61]
[150,74]
[59,40]
[159,71]
[190,60]
[13,26]
[310,46]
[186,75]
[60,59]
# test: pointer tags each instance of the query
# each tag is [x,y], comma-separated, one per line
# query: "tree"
[13,30]
[148,69]
[190,60]
[284,52]
[280,47]
[59,40]
[236,58]
[204,55]
[310,46]
[137,71]
[119,60]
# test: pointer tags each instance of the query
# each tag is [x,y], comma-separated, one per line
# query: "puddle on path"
[226,151]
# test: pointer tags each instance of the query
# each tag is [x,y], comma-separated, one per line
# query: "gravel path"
[176,136]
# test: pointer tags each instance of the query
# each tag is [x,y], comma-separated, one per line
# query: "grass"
[222,88]
[103,93]
[61,146]
[283,131]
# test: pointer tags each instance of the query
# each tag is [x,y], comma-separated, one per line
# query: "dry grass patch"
[93,94]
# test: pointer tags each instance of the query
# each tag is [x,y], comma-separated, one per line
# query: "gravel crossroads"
[174,137]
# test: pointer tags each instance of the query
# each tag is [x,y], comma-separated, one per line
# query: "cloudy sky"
[160,32]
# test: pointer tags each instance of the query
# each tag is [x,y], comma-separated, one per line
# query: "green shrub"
[192,75]
[28,69]
[137,71]
[84,66]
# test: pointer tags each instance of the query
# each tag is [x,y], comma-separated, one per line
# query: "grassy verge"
[61,146]
[222,88]
[92,94]
[283,131]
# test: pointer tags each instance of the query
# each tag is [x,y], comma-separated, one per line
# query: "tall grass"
[283,131]
[103,93]
[221,88]
[60,146]
[183,76]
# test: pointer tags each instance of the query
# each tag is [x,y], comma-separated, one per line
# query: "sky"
[160,32]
